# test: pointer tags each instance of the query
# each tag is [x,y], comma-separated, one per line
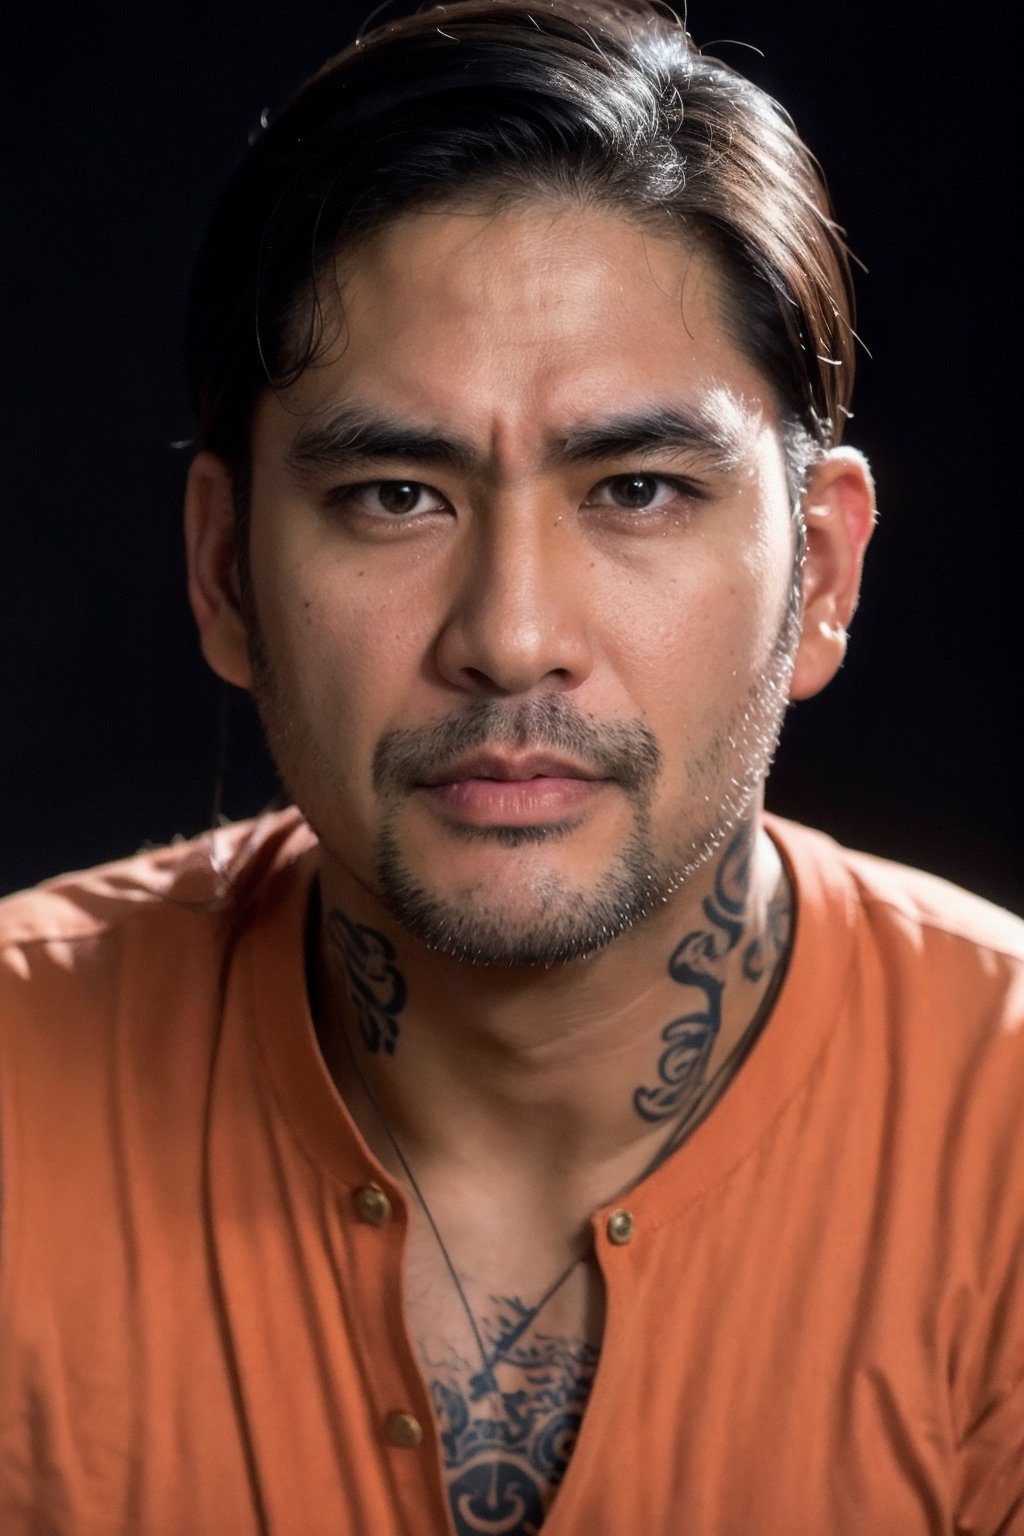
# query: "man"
[524,1131]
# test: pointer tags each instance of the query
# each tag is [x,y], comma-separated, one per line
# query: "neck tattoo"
[684,1093]
[682,1097]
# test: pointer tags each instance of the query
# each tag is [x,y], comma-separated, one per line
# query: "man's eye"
[640,493]
[395,498]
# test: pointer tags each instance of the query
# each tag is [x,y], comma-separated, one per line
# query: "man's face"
[522,556]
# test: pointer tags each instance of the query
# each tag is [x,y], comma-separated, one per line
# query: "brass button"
[620,1227]
[405,1430]
[373,1204]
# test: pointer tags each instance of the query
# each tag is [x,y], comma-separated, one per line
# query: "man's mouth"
[493,742]
[513,789]
[511,768]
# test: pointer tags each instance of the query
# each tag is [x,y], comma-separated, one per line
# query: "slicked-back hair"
[501,101]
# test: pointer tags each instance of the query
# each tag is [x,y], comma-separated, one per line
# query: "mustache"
[625,751]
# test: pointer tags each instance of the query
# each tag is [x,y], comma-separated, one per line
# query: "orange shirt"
[817,1328]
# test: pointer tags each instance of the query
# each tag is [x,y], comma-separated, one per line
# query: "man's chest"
[763,1365]
[727,1397]
[509,1360]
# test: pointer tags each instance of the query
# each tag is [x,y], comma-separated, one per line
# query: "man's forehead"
[477,241]
[525,277]
[635,355]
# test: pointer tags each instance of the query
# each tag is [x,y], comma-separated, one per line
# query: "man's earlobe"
[213,577]
[839,513]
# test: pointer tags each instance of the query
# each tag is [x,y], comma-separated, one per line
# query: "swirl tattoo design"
[376,984]
[690,1039]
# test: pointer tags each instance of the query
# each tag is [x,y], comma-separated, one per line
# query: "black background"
[119,126]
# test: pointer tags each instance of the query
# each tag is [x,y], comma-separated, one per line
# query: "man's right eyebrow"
[353,435]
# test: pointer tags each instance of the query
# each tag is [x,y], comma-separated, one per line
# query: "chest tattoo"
[508,1426]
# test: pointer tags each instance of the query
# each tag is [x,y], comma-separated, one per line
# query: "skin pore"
[522,631]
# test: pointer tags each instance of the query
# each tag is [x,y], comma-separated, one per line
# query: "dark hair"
[611,104]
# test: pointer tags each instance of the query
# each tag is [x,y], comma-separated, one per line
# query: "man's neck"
[580,1076]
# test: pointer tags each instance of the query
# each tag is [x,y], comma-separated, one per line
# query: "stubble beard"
[555,920]
[560,921]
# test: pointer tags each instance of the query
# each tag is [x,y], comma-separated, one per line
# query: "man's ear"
[214,587]
[839,513]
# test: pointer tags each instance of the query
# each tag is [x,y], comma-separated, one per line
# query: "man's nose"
[519,617]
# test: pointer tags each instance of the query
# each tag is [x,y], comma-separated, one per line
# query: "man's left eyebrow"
[711,439]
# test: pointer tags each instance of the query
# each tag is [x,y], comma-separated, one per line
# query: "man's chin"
[483,937]
[478,839]
[535,915]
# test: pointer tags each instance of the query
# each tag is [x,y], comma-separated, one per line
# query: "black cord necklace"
[693,1114]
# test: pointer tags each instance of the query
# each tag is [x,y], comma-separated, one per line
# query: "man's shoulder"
[922,978]
[164,887]
[885,895]
[894,890]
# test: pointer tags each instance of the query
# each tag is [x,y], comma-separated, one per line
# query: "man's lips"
[490,789]
[501,768]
